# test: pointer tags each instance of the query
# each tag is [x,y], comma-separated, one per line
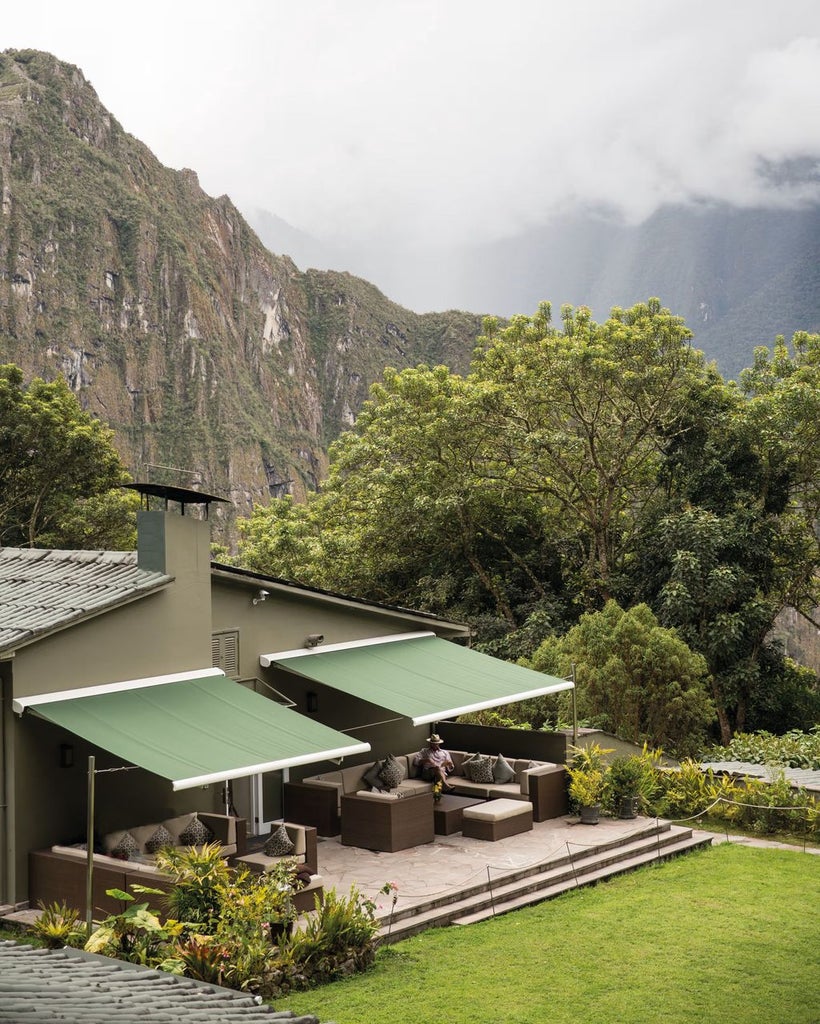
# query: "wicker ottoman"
[497,819]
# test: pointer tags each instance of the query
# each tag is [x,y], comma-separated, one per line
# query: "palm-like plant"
[198,873]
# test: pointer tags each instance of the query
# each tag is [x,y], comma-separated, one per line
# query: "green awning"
[193,728]
[423,677]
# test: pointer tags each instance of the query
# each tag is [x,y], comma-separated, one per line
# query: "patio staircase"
[586,865]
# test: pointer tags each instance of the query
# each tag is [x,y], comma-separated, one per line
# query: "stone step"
[544,881]
[672,849]
[648,829]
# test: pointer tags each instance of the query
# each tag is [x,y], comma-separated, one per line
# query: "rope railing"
[544,859]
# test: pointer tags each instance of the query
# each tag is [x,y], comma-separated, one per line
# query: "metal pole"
[89,880]
[574,711]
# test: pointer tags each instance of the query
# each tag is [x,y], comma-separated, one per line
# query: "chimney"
[170,541]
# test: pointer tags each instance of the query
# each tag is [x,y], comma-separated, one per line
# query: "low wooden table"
[448,810]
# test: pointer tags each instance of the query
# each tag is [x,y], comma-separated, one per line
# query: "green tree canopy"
[634,678]
[59,471]
[581,418]
[575,465]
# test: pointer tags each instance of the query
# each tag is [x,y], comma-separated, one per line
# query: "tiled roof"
[42,590]
[42,986]
[806,777]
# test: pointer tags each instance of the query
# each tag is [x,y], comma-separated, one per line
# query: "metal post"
[490,887]
[89,881]
[574,711]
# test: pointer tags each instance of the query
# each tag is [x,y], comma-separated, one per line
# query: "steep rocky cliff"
[165,313]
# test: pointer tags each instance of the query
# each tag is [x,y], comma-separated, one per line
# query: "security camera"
[261,595]
[314,639]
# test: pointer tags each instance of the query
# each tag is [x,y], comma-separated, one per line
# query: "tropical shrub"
[59,925]
[772,807]
[198,873]
[761,806]
[238,927]
[586,775]
[340,933]
[689,791]
[136,934]
[633,777]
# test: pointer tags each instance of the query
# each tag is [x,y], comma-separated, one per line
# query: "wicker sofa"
[318,799]
[304,852]
[59,873]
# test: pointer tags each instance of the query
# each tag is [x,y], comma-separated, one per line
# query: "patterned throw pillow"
[161,837]
[502,771]
[278,843]
[392,773]
[371,776]
[196,834]
[126,848]
[480,769]
[461,769]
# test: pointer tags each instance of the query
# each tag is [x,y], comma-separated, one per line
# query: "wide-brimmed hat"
[435,738]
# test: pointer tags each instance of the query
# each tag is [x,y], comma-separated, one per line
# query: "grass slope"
[728,935]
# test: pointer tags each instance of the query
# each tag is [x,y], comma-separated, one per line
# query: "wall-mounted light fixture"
[66,755]
[314,639]
[261,595]
[312,701]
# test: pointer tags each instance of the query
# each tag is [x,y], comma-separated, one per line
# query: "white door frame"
[259,825]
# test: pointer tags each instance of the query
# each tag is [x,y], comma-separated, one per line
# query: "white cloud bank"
[460,120]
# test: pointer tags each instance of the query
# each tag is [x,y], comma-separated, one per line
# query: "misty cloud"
[460,121]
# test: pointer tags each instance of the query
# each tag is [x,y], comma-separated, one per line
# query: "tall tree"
[403,518]
[58,470]
[634,678]
[783,392]
[580,418]
[732,541]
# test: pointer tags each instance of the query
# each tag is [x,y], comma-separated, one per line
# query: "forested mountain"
[164,311]
[739,277]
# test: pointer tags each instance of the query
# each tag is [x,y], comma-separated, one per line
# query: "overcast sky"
[461,119]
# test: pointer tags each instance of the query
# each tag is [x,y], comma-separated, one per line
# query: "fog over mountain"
[739,277]
[466,154]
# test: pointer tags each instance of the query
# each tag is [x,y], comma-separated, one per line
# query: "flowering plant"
[437,787]
[391,889]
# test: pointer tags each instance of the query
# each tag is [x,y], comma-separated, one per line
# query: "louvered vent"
[225,652]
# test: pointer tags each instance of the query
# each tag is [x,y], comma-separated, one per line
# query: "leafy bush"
[761,806]
[690,791]
[136,934]
[198,872]
[771,807]
[794,749]
[339,925]
[235,927]
[59,925]
[632,778]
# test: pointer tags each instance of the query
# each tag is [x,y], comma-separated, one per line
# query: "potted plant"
[586,788]
[623,786]
[587,781]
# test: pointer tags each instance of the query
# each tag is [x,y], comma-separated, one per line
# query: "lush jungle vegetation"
[589,495]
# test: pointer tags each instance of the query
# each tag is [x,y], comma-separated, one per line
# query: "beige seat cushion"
[498,810]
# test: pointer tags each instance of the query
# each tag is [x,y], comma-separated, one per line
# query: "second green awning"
[193,728]
[425,678]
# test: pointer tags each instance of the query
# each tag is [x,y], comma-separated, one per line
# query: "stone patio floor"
[452,863]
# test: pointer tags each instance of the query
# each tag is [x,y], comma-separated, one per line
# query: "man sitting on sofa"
[435,763]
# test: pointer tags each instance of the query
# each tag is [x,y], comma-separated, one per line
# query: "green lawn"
[730,935]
